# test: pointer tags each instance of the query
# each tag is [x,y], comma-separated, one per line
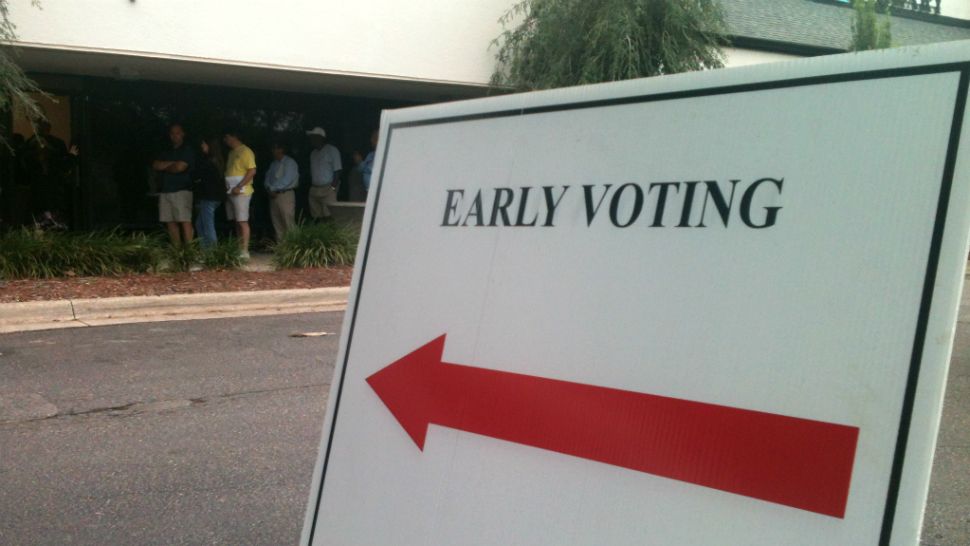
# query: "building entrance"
[120,126]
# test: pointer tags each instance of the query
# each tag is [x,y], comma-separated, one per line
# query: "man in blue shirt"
[282,178]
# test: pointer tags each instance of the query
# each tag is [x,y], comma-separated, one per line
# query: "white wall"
[734,56]
[955,8]
[432,40]
[442,40]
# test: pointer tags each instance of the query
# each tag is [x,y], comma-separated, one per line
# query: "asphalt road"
[205,432]
[193,432]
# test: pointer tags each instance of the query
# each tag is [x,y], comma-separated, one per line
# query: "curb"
[44,315]
[36,315]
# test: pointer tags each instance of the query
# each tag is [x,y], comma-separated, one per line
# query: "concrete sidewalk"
[260,262]
[44,315]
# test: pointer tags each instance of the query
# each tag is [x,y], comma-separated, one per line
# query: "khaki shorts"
[237,207]
[175,206]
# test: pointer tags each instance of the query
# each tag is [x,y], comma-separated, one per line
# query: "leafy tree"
[15,86]
[868,32]
[557,43]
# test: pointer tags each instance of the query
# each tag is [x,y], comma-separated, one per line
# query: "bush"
[226,254]
[27,253]
[316,245]
[183,257]
[35,254]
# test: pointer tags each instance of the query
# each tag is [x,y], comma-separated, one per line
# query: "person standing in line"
[367,166]
[175,198]
[240,171]
[281,179]
[325,167]
[211,189]
[354,181]
[48,164]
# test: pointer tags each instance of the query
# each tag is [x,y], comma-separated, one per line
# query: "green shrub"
[28,253]
[22,255]
[316,245]
[225,254]
[33,254]
[182,257]
[110,253]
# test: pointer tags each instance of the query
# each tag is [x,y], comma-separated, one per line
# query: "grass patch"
[316,245]
[31,254]
[225,254]
[181,258]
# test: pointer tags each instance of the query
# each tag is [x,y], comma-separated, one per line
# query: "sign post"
[711,308]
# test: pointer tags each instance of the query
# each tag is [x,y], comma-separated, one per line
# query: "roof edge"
[777,46]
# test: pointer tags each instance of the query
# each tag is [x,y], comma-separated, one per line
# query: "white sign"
[712,308]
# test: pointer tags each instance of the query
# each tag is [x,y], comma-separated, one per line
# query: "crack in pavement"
[131,409]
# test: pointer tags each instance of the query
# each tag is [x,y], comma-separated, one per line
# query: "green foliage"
[558,43]
[15,86]
[34,254]
[181,258]
[316,245]
[225,254]
[30,254]
[868,32]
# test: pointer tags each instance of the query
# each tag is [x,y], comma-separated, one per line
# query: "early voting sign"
[713,308]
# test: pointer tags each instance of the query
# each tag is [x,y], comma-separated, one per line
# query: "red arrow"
[795,462]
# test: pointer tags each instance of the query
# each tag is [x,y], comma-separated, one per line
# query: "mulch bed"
[171,283]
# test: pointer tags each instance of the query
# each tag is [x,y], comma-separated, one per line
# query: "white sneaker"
[244,254]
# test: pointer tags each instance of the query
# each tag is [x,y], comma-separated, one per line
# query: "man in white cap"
[325,167]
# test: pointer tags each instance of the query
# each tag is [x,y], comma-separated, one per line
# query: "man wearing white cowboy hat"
[325,167]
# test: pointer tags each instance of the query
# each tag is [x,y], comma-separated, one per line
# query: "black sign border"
[909,397]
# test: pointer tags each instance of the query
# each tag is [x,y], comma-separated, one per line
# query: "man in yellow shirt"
[240,171]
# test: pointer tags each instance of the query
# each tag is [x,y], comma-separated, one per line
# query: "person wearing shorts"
[240,171]
[175,198]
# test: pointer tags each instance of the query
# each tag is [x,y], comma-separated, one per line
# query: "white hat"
[317,131]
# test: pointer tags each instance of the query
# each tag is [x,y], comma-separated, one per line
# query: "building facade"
[121,70]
